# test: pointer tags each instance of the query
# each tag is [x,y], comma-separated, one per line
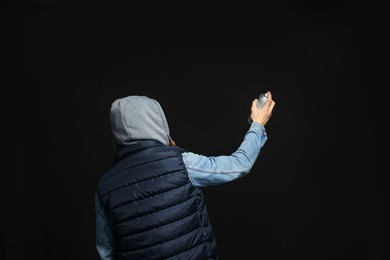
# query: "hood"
[135,118]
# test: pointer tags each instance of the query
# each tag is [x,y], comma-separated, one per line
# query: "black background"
[319,187]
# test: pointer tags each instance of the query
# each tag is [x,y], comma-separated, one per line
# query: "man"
[149,203]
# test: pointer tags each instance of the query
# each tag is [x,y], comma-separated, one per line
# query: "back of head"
[135,118]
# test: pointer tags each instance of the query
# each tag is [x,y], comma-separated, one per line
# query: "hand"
[263,114]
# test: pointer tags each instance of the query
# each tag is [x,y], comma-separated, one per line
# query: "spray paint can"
[262,99]
[260,102]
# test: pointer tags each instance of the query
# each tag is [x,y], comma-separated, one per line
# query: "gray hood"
[138,117]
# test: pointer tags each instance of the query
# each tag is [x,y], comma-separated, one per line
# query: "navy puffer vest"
[155,210]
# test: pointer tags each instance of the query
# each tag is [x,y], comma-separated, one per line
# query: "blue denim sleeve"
[213,170]
[104,238]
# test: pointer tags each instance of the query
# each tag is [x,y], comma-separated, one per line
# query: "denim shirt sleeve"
[104,238]
[212,170]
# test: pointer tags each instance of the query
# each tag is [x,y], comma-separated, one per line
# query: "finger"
[271,107]
[254,103]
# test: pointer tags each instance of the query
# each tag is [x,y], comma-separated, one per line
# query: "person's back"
[149,203]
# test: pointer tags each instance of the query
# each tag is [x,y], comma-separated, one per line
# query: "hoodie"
[137,118]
